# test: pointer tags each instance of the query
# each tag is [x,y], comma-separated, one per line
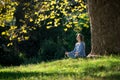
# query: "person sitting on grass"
[79,50]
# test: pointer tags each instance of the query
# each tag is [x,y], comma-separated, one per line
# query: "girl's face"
[78,38]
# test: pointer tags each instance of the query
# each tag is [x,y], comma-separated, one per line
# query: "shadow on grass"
[115,76]
[18,75]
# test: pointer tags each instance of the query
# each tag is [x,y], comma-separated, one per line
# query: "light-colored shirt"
[80,49]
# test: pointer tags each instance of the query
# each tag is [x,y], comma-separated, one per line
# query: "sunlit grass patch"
[104,68]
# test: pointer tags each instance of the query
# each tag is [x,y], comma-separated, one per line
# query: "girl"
[79,50]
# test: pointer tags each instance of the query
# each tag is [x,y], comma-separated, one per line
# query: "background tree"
[42,28]
[105,30]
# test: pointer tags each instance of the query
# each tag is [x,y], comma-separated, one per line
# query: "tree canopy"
[19,17]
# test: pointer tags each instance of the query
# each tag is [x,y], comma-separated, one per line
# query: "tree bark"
[105,26]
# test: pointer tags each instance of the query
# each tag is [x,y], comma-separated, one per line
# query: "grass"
[105,68]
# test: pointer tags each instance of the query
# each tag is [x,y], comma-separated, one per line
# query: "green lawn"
[105,68]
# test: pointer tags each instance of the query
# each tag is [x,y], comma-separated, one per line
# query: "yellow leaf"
[19,39]
[26,38]
[82,5]
[57,20]
[52,17]
[26,16]
[80,0]
[49,23]
[2,25]
[7,34]
[48,27]
[10,38]
[75,22]
[66,1]
[45,3]
[85,25]
[13,27]
[68,26]
[36,13]
[53,2]
[9,44]
[74,16]
[70,22]
[58,14]
[81,9]
[65,29]
[57,6]
[24,31]
[3,33]
[31,19]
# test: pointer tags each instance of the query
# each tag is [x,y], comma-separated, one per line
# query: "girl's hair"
[81,36]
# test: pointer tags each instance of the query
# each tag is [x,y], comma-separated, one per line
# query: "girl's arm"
[81,50]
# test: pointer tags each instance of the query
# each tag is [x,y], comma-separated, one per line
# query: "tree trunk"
[105,26]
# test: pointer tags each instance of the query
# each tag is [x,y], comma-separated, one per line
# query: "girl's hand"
[66,53]
[76,54]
